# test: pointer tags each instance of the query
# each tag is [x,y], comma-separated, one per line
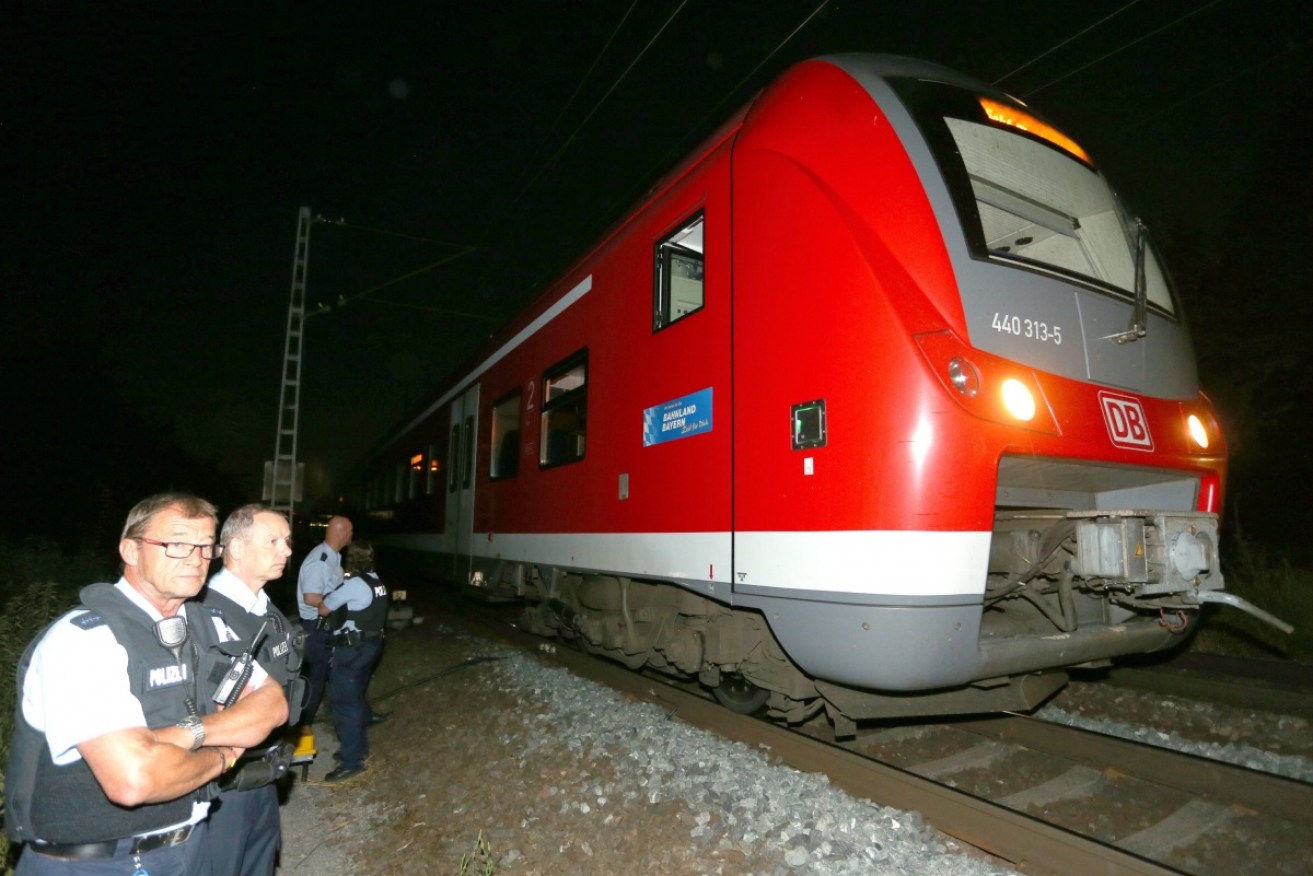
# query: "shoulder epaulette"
[89,620]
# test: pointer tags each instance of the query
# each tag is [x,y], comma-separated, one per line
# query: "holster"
[270,766]
[347,638]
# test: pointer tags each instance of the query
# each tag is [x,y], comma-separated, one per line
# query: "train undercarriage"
[1064,589]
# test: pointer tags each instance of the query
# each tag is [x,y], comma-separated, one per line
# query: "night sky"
[155,157]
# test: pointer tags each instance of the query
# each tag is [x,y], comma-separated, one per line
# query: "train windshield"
[1028,194]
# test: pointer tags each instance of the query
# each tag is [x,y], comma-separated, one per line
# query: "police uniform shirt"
[321,572]
[90,694]
[355,593]
[227,584]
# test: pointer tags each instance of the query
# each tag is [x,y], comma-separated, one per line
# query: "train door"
[461,457]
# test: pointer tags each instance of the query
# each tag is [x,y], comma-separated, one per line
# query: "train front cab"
[1007,467]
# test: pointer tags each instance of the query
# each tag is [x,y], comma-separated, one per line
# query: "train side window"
[452,449]
[416,469]
[677,275]
[434,469]
[505,457]
[565,412]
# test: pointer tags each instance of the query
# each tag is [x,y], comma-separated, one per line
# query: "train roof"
[860,65]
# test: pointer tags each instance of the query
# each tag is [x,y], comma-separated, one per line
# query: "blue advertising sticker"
[680,418]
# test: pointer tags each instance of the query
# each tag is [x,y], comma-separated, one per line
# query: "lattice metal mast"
[284,476]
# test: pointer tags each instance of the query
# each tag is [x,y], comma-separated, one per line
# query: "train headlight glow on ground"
[1197,431]
[964,377]
[1017,398]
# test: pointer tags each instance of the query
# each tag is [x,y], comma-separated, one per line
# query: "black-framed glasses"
[181,550]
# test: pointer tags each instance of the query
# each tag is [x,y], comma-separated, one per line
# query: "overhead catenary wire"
[1121,48]
[1221,83]
[1069,39]
[551,129]
[556,156]
[666,156]
[343,300]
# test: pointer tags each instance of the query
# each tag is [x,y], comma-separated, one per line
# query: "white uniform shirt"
[227,584]
[90,694]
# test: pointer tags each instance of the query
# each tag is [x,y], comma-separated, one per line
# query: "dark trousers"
[245,834]
[352,667]
[187,859]
[318,653]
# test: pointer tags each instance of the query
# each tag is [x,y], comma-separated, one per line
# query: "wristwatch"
[193,723]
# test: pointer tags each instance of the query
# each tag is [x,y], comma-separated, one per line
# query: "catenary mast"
[282,477]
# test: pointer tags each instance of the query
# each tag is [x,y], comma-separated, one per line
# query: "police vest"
[65,804]
[373,617]
[280,650]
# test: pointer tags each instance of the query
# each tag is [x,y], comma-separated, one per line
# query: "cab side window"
[677,285]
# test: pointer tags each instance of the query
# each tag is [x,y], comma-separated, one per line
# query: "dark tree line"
[1249,303]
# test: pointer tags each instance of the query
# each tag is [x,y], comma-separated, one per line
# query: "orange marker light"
[1015,118]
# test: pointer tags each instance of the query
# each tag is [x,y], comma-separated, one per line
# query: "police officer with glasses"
[117,736]
[245,832]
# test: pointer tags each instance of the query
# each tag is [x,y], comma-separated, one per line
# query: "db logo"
[1127,425]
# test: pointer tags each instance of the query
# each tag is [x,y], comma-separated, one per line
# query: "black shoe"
[379,718]
[342,773]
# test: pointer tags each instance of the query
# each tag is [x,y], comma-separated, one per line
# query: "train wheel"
[738,694]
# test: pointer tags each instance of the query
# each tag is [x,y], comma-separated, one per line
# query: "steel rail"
[1027,843]
[1225,783]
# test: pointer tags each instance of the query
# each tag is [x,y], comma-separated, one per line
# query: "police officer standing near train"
[359,610]
[117,736]
[245,834]
[321,574]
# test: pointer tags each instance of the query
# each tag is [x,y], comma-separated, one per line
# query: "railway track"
[1267,685]
[1186,813]
[1044,797]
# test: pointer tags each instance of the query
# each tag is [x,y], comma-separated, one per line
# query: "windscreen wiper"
[1139,326]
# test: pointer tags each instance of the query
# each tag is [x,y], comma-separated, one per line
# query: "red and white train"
[878,403]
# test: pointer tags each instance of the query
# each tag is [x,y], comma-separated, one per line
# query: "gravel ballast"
[496,762]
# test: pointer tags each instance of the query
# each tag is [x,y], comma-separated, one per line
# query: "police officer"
[245,834]
[359,612]
[116,735]
[321,574]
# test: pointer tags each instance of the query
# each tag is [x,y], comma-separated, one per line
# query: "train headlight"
[964,377]
[1197,431]
[1018,400]
[988,386]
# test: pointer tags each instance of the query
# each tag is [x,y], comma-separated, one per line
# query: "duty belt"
[128,845]
[351,638]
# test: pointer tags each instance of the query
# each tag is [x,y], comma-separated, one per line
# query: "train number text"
[1027,328]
